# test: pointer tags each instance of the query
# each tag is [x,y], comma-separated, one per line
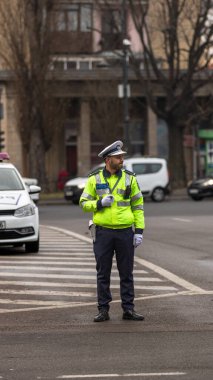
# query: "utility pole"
[126,45]
[1,117]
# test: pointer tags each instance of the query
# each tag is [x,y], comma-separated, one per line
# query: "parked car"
[200,188]
[19,217]
[152,176]
[29,182]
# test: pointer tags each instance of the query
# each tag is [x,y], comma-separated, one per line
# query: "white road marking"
[75,261]
[68,233]
[70,254]
[80,285]
[103,375]
[170,276]
[75,254]
[48,293]
[37,302]
[71,305]
[50,268]
[182,220]
[73,276]
[70,249]
[40,258]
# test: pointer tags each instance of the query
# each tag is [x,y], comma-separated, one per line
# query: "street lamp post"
[1,117]
[126,44]
[126,91]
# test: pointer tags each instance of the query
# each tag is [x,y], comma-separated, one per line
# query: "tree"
[106,114]
[175,38]
[170,33]
[25,33]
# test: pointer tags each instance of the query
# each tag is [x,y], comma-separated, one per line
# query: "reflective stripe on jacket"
[123,212]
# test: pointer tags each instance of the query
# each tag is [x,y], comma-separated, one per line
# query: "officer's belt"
[113,229]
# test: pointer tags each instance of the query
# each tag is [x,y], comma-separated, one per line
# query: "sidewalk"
[177,194]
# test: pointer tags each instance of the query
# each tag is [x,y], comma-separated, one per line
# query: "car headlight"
[25,211]
[81,185]
[209,182]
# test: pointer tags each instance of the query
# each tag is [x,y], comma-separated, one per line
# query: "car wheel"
[32,247]
[158,194]
[196,198]
[75,201]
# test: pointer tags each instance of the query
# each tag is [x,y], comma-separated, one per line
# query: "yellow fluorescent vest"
[123,212]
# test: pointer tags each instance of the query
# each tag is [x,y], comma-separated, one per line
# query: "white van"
[152,176]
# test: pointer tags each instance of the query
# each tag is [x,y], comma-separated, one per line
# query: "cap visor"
[117,153]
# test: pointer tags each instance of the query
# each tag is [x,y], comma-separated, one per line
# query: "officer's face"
[116,162]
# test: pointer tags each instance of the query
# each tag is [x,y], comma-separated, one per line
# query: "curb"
[62,202]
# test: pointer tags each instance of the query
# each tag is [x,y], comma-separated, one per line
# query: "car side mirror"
[34,189]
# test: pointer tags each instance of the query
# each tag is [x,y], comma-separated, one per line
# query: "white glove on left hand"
[137,239]
[107,201]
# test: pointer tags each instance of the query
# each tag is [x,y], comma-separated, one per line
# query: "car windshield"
[9,180]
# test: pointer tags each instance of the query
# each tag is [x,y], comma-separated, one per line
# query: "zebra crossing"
[63,275]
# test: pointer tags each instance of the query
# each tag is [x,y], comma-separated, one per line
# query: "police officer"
[114,197]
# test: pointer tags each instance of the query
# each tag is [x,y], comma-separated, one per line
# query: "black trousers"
[119,242]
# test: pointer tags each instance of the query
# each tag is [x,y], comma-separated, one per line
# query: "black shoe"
[102,316]
[132,315]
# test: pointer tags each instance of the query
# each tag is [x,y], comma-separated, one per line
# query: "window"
[111,37]
[73,18]
[146,168]
[111,21]
[85,19]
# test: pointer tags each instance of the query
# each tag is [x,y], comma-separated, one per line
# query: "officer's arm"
[136,201]
[88,200]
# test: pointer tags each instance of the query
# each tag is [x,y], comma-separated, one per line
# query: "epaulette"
[95,172]
[129,172]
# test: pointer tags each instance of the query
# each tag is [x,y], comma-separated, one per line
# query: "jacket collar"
[107,174]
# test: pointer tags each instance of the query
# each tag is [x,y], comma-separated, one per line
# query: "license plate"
[2,225]
[193,191]
[69,193]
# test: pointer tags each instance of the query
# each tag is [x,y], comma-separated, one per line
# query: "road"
[47,301]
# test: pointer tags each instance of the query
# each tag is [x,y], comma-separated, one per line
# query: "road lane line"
[37,302]
[170,276]
[86,304]
[90,262]
[163,272]
[73,276]
[50,268]
[182,220]
[80,285]
[70,249]
[68,233]
[48,293]
[103,375]
[71,254]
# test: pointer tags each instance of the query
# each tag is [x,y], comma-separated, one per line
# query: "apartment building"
[88,63]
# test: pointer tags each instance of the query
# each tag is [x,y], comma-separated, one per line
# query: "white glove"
[137,239]
[107,201]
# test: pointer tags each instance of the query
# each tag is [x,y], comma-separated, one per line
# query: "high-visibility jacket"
[127,208]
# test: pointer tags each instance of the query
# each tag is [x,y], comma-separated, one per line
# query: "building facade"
[88,71]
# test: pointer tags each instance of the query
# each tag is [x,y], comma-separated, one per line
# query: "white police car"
[19,218]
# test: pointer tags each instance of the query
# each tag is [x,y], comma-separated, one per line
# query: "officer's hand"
[107,201]
[137,239]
